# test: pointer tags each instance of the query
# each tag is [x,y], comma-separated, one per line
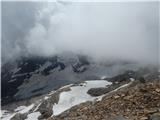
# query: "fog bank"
[104,31]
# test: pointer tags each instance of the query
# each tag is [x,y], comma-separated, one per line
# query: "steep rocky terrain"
[133,95]
[33,76]
[135,102]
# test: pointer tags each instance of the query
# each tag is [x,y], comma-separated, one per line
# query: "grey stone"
[45,109]
[155,116]
[119,117]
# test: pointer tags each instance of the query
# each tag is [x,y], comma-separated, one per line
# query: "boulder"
[45,109]
[155,116]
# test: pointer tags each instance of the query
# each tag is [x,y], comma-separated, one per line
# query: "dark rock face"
[45,109]
[125,78]
[117,81]
[16,73]
[33,76]
[12,79]
[143,75]
[80,67]
[100,91]
[55,64]
[97,91]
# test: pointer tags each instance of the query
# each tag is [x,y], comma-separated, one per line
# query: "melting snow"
[26,109]
[19,108]
[5,115]
[46,97]
[77,95]
[33,116]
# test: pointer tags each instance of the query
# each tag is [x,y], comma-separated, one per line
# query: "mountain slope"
[34,76]
[125,96]
[134,102]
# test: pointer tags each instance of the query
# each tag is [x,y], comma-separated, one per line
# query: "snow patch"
[46,97]
[33,116]
[77,95]
[5,115]
[132,79]
[103,77]
[26,109]
[19,108]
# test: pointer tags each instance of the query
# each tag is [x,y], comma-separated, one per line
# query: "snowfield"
[26,109]
[5,115]
[67,99]
[77,95]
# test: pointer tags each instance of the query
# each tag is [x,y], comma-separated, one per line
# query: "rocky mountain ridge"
[33,76]
[128,96]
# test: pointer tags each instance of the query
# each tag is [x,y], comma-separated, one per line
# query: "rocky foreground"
[135,102]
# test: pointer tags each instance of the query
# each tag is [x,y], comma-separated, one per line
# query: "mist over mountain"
[103,31]
[80,60]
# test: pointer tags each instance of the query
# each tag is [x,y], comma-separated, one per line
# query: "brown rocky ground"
[138,101]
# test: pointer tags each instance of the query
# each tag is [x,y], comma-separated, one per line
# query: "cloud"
[103,31]
[17,20]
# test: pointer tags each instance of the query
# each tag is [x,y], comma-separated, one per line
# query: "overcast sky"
[121,30]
